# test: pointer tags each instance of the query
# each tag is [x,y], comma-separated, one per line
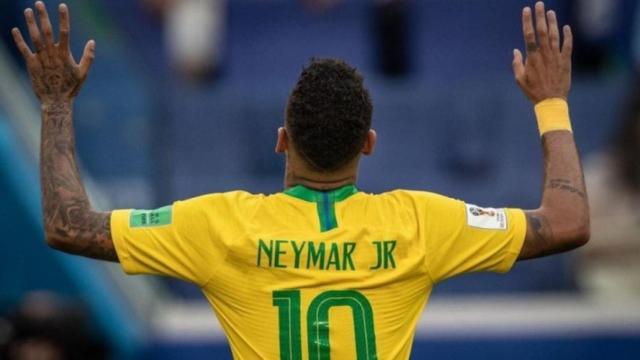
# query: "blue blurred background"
[153,127]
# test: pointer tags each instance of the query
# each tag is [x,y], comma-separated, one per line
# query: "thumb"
[518,65]
[87,57]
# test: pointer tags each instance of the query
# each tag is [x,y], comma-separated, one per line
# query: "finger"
[567,44]
[518,66]
[541,27]
[527,30]
[21,44]
[34,32]
[65,27]
[554,33]
[45,25]
[87,58]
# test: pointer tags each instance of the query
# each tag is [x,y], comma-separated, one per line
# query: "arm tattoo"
[68,217]
[539,236]
[565,185]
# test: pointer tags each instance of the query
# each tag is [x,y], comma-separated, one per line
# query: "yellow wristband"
[553,114]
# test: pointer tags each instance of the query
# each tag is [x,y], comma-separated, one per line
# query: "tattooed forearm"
[70,223]
[565,185]
[562,221]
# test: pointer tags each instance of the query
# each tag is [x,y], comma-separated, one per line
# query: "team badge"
[486,218]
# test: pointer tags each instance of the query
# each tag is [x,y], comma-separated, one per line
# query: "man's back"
[311,273]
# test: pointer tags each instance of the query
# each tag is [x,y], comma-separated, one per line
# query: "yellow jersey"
[306,274]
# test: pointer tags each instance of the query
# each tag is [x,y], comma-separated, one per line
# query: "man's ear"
[282,144]
[370,142]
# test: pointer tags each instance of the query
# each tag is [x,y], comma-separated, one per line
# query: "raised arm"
[70,223]
[561,222]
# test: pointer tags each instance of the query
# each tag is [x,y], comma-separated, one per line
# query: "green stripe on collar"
[325,202]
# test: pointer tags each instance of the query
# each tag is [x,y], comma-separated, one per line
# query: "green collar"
[304,193]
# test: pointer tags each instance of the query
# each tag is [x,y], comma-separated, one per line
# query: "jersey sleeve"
[183,240]
[462,238]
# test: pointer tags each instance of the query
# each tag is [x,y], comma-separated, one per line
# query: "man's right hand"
[55,76]
[546,73]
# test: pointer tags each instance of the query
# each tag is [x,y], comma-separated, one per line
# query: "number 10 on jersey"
[288,303]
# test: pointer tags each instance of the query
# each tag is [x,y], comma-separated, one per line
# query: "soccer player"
[321,270]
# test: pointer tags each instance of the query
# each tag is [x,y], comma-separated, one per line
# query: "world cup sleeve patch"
[486,218]
[148,218]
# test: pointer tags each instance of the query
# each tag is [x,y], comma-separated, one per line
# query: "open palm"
[546,71]
[54,73]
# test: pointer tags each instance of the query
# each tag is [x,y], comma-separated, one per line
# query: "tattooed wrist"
[56,104]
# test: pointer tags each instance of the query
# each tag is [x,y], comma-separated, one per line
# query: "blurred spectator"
[610,265]
[602,31]
[46,328]
[636,39]
[390,29]
[194,33]
[10,13]
[390,26]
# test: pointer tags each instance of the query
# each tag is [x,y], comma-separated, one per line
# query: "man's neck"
[297,172]
[319,183]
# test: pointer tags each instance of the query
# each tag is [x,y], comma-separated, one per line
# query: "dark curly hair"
[328,114]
